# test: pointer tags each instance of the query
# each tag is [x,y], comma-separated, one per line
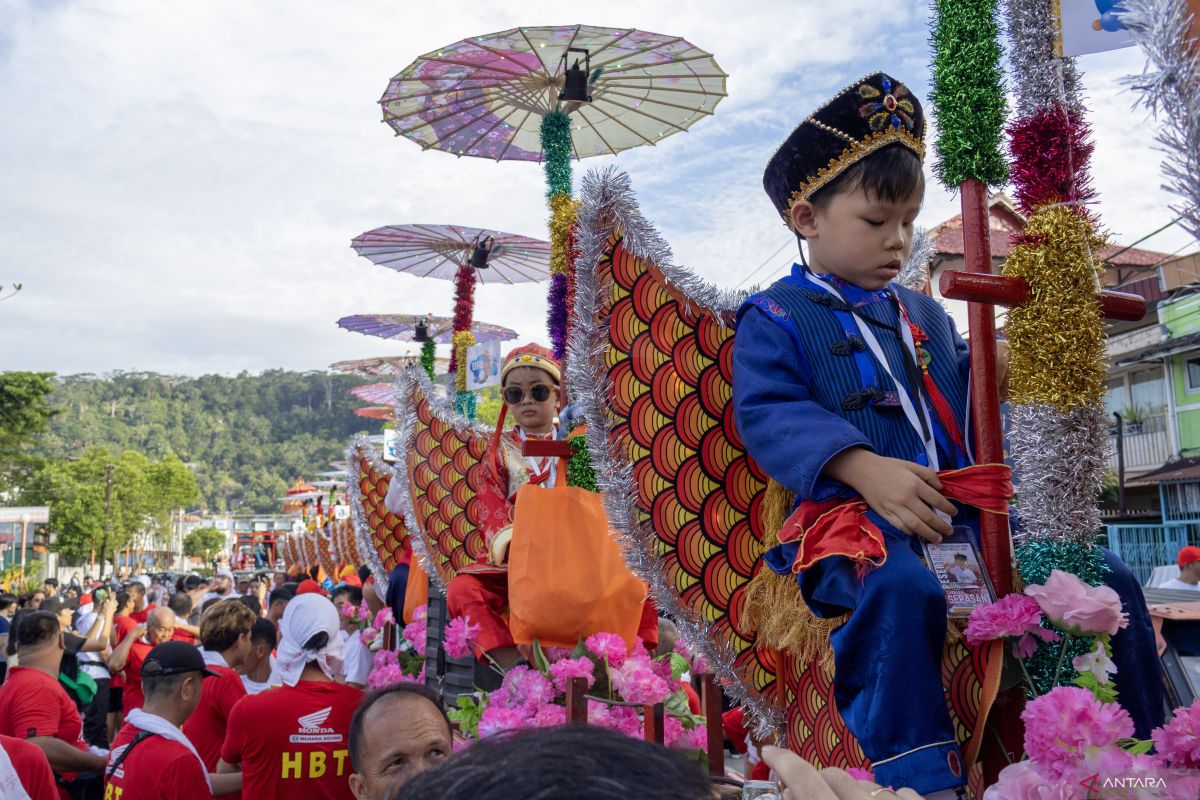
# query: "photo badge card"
[959,569]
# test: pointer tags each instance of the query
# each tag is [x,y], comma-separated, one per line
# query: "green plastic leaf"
[539,658]
[679,665]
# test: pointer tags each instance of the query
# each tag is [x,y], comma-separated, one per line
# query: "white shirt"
[1175,583]
[962,575]
[358,659]
[254,687]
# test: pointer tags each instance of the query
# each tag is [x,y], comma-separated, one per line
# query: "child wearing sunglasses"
[529,380]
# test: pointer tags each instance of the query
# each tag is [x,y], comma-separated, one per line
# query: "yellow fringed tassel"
[775,609]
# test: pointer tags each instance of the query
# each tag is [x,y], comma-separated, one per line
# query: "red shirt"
[37,779]
[293,741]
[123,625]
[140,617]
[132,697]
[157,769]
[33,703]
[180,635]
[205,728]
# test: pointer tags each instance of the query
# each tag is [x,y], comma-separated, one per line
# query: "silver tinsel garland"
[1170,87]
[363,535]
[1060,458]
[608,205]
[412,387]
[1040,79]
[915,272]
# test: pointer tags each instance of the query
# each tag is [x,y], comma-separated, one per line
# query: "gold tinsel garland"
[563,211]
[1056,340]
[462,340]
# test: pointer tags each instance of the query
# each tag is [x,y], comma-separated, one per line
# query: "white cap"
[144,580]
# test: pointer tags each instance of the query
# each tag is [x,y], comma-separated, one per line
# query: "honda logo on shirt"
[311,730]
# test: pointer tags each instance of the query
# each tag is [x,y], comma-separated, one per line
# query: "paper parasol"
[439,251]
[377,394]
[402,327]
[485,96]
[381,365]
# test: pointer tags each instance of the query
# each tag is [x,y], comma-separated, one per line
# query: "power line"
[1144,238]
[759,268]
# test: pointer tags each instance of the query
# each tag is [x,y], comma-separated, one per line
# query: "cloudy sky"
[181,181]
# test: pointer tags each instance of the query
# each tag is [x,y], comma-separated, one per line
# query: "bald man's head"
[160,625]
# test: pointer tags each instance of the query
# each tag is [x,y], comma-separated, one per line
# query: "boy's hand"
[903,493]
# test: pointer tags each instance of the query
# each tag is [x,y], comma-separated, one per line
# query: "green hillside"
[245,437]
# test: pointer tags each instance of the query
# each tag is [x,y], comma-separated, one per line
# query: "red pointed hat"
[532,355]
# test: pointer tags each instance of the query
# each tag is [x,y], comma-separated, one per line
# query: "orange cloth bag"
[567,578]
[416,591]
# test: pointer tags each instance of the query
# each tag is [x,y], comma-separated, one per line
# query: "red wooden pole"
[577,701]
[653,716]
[710,703]
[989,440]
[975,288]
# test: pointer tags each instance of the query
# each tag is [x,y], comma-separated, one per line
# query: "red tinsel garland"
[1051,151]
[464,306]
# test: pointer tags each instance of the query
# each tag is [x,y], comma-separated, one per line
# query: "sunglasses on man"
[540,393]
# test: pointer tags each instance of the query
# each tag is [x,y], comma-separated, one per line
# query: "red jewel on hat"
[889,102]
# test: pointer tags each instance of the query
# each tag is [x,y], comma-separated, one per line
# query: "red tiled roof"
[1005,221]
[1181,470]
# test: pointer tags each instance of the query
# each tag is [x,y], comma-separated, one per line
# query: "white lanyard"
[537,463]
[906,403]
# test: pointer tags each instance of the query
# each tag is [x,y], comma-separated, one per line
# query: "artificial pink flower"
[555,653]
[637,680]
[420,613]
[1178,742]
[607,646]
[1012,616]
[1066,725]
[549,714]
[383,618]
[622,719]
[460,635]
[699,664]
[1097,662]
[563,670]
[1020,781]
[860,774]
[348,611]
[414,634]
[527,688]
[1077,608]
[498,718]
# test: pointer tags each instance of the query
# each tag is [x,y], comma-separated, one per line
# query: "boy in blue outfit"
[846,385]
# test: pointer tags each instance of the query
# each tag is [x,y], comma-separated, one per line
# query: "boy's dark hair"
[354,594]
[36,627]
[6,600]
[960,555]
[122,599]
[251,603]
[181,604]
[50,582]
[280,593]
[891,173]
[358,724]
[264,632]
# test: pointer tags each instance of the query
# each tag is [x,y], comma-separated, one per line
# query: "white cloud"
[182,180]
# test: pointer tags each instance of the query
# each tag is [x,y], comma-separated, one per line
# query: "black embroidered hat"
[872,113]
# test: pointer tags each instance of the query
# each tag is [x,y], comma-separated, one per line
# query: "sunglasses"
[540,393]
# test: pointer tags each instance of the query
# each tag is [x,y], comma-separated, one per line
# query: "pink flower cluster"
[607,647]
[639,679]
[1012,616]
[1067,730]
[386,671]
[699,664]
[1079,609]
[1178,742]
[564,669]
[414,632]
[460,634]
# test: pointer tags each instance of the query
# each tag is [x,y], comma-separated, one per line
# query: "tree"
[203,543]
[25,414]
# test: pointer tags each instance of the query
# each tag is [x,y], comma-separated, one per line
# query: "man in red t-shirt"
[137,594]
[225,634]
[151,758]
[293,741]
[181,606]
[30,770]
[35,706]
[133,649]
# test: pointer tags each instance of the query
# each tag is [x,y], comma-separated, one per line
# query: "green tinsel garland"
[428,356]
[1036,558]
[579,465]
[968,93]
[556,152]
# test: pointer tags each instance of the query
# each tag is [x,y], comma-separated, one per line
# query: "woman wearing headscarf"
[292,741]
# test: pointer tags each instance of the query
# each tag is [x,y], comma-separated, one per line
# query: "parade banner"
[483,365]
[1089,26]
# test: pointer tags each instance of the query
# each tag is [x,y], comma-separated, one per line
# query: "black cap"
[873,112]
[55,605]
[172,658]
